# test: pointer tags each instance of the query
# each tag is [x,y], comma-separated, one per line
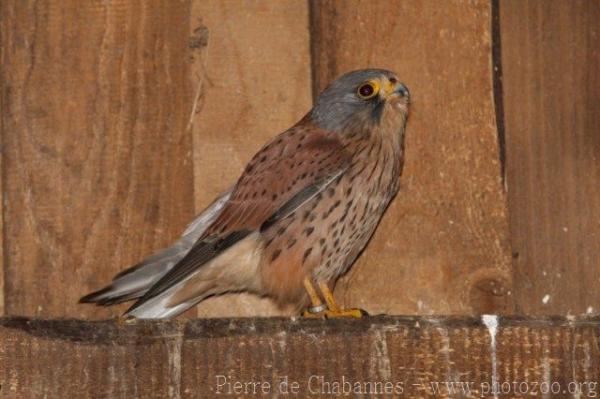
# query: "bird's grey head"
[358,97]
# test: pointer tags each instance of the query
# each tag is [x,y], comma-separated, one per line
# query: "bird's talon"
[354,313]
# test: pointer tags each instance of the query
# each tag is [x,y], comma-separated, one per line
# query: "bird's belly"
[323,238]
[351,234]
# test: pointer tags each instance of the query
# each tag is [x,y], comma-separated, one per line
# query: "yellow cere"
[389,87]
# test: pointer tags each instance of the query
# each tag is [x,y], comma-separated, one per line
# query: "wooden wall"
[185,359]
[97,164]
[550,58]
[122,119]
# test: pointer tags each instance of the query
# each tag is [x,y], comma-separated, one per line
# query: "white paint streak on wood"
[382,358]
[491,322]
[174,356]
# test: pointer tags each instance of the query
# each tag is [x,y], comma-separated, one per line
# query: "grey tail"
[135,282]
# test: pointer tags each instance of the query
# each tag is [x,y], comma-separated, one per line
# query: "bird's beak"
[396,90]
[402,90]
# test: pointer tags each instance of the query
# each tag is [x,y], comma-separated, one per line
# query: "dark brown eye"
[367,90]
[393,81]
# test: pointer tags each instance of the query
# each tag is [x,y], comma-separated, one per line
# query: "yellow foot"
[330,309]
[355,313]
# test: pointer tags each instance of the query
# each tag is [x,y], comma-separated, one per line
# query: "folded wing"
[283,176]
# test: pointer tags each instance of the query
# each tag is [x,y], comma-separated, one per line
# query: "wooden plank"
[97,165]
[1,212]
[550,58]
[96,360]
[408,356]
[252,80]
[444,241]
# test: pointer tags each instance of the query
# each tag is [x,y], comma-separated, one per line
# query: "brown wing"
[287,172]
[299,159]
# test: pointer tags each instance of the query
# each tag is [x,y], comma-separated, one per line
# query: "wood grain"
[550,58]
[97,164]
[443,246]
[252,80]
[177,360]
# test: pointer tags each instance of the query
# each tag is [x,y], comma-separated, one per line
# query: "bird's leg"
[329,309]
[334,310]
[317,308]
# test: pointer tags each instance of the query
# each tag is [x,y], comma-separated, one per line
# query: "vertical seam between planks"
[2,177]
[312,37]
[498,91]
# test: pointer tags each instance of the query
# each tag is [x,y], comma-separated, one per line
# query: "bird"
[302,211]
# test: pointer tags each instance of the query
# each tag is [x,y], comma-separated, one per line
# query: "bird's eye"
[368,90]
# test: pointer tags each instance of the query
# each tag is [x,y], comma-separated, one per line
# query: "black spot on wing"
[306,254]
[291,205]
[308,192]
[275,255]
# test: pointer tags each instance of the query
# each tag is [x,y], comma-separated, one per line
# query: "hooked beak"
[397,90]
[402,91]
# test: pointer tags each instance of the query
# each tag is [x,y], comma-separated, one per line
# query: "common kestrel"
[299,215]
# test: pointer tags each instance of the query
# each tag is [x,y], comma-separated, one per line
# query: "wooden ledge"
[380,356]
